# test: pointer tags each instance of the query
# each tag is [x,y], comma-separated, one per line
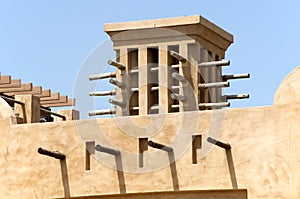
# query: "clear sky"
[46,42]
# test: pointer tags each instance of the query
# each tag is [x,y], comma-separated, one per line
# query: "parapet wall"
[264,156]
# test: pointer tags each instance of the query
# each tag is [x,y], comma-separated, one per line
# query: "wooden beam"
[35,90]
[23,87]
[13,84]
[70,102]
[5,80]
[62,99]
[45,93]
[53,96]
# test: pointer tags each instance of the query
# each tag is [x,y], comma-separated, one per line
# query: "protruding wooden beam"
[215,63]
[5,80]
[70,102]
[236,76]
[35,90]
[53,96]
[116,64]
[219,104]
[102,76]
[104,93]
[117,83]
[102,112]
[13,84]
[23,87]
[117,103]
[214,85]
[178,56]
[45,93]
[239,96]
[62,99]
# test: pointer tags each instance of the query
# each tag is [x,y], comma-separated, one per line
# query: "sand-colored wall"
[264,159]
[265,153]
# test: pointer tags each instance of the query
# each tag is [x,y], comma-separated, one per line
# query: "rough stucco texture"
[264,149]
[265,155]
[289,90]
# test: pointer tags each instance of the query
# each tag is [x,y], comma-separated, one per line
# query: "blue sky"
[46,42]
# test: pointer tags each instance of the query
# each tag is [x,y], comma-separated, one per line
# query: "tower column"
[143,81]
[164,80]
[121,92]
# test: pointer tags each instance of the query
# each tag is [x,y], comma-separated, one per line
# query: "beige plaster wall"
[264,149]
[289,90]
[264,159]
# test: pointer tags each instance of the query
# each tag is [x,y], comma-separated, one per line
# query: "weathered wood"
[178,97]
[103,93]
[117,64]
[236,76]
[117,83]
[62,99]
[214,63]
[117,103]
[214,85]
[159,146]
[218,143]
[239,96]
[53,96]
[178,56]
[70,102]
[45,93]
[35,90]
[53,154]
[219,104]
[5,80]
[180,78]
[102,112]
[102,76]
[23,87]
[13,84]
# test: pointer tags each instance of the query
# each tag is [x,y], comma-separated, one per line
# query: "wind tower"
[167,65]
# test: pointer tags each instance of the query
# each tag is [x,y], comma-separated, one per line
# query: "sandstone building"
[172,135]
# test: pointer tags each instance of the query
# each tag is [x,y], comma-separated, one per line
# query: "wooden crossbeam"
[45,93]
[53,96]
[12,87]
[35,90]
[70,102]
[62,99]
[5,80]
[23,87]
[13,84]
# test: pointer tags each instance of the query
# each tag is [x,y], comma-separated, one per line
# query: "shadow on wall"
[231,169]
[229,158]
[171,156]
[65,178]
[119,165]
[63,168]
